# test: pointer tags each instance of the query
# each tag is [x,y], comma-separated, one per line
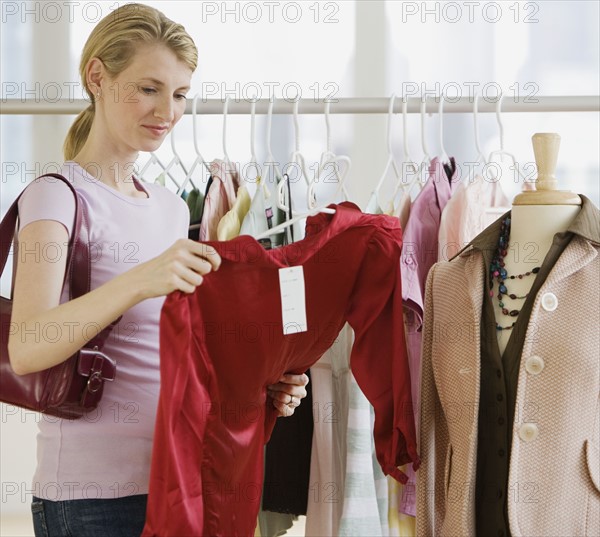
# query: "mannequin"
[536,216]
[526,461]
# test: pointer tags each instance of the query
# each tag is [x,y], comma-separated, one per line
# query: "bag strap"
[78,269]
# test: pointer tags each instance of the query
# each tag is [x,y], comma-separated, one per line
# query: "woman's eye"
[148,91]
[181,97]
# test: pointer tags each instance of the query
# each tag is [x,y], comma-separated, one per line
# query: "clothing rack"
[345,105]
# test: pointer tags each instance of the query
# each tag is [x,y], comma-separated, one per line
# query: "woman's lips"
[157,131]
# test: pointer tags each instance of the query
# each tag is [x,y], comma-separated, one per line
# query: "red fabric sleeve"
[379,359]
[175,483]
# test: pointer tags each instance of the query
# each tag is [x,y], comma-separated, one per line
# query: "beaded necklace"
[498,271]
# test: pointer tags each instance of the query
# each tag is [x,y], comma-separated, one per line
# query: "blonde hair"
[114,41]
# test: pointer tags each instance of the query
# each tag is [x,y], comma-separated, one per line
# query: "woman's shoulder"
[47,198]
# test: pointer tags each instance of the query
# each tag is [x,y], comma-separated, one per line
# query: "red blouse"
[223,344]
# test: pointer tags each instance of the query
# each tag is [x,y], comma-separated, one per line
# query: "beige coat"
[554,476]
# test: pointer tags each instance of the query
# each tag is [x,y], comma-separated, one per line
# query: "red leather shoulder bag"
[73,387]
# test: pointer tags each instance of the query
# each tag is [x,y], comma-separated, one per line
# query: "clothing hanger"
[501,152]
[328,157]
[297,159]
[270,158]
[420,178]
[278,175]
[297,154]
[252,121]
[426,157]
[282,227]
[391,161]
[408,164]
[481,159]
[253,161]
[199,158]
[174,161]
[226,156]
[153,160]
[480,156]
[416,168]
[296,217]
[443,157]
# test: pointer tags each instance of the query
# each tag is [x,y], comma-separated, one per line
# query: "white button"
[534,365]
[528,432]
[549,302]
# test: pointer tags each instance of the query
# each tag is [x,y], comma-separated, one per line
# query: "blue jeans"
[119,517]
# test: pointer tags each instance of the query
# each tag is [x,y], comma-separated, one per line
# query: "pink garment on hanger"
[420,237]
[467,214]
[220,197]
[419,253]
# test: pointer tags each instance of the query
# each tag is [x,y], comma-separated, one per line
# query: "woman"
[92,473]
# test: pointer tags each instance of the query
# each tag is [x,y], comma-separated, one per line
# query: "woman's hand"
[179,268]
[287,394]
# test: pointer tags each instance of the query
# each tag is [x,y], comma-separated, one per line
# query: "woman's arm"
[44,333]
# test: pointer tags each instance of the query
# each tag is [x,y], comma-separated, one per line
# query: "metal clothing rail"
[345,105]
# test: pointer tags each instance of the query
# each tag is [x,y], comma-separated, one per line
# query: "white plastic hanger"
[282,227]
[391,161]
[297,160]
[176,160]
[407,156]
[153,160]
[270,158]
[199,158]
[225,107]
[421,177]
[278,175]
[480,156]
[329,158]
[481,159]
[408,164]
[426,157]
[252,147]
[297,155]
[501,152]
[443,157]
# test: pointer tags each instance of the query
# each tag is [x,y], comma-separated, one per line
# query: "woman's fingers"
[297,380]
[206,253]
[283,409]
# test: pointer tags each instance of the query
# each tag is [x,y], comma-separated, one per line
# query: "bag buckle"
[97,366]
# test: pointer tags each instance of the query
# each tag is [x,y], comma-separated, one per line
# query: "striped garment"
[365,493]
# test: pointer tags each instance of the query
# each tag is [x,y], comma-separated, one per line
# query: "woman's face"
[143,103]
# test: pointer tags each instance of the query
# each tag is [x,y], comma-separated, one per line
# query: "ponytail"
[78,133]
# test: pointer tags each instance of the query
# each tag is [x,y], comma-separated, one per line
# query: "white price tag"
[293,299]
